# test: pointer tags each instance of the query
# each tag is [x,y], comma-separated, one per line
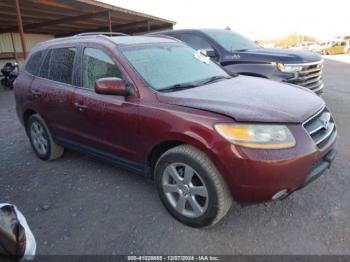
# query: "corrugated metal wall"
[31,40]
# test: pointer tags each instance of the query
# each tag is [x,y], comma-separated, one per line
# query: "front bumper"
[319,167]
[256,176]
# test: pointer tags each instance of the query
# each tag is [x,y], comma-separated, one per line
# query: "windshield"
[231,41]
[166,65]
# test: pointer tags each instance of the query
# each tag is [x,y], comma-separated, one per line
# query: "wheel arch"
[26,115]
[162,146]
[159,150]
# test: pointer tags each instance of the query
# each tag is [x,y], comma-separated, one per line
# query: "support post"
[110,22]
[20,29]
[148,26]
[14,48]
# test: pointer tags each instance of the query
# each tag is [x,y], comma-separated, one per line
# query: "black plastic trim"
[113,159]
[319,167]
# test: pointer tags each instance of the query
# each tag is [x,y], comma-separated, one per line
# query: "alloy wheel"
[185,190]
[38,138]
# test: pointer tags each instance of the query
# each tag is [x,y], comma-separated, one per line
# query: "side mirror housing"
[208,52]
[111,86]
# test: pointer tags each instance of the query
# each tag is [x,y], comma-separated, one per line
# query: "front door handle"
[81,107]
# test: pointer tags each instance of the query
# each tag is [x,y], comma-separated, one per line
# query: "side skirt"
[95,153]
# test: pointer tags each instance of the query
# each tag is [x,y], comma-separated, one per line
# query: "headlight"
[263,136]
[289,68]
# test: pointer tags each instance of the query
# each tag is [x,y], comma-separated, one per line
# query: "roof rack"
[102,33]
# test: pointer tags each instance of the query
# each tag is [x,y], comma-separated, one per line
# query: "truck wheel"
[41,139]
[191,188]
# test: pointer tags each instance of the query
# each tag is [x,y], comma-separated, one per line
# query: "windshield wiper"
[213,79]
[241,50]
[178,87]
[188,85]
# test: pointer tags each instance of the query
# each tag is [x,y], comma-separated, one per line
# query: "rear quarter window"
[44,72]
[33,63]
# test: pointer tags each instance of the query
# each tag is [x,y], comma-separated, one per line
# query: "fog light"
[279,194]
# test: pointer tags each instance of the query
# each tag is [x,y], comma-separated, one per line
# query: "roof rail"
[102,33]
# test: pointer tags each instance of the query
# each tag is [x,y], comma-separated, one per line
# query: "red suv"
[161,109]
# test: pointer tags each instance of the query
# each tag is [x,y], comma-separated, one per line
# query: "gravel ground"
[78,205]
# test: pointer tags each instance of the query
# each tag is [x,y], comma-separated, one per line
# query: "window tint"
[97,64]
[33,63]
[44,72]
[61,65]
[196,42]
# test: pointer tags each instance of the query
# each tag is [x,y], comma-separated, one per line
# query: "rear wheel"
[191,187]
[41,139]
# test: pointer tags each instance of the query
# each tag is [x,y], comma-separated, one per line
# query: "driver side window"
[97,64]
[196,42]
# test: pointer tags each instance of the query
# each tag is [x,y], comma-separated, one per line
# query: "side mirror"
[208,52]
[111,86]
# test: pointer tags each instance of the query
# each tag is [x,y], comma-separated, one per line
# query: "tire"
[41,139]
[202,198]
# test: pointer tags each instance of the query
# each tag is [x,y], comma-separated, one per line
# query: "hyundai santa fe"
[159,108]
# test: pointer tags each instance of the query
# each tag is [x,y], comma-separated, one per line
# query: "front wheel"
[191,187]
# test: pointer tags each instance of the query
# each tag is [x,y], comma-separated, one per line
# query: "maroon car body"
[135,130]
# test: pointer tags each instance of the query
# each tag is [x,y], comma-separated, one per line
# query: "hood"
[249,99]
[278,55]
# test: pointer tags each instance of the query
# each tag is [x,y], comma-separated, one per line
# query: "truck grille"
[320,127]
[310,76]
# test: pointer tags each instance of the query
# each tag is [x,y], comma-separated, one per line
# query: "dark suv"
[240,55]
[159,108]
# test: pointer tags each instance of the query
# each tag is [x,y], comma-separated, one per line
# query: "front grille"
[310,76]
[320,127]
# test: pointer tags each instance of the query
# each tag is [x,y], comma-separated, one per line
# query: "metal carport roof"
[69,17]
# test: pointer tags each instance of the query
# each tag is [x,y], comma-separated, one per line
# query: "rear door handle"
[36,92]
[81,107]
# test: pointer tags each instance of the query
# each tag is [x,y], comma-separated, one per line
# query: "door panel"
[105,122]
[53,90]
[54,102]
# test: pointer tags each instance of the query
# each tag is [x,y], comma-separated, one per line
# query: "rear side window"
[196,42]
[61,65]
[33,63]
[97,64]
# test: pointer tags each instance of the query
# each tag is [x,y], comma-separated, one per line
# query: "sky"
[256,19]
